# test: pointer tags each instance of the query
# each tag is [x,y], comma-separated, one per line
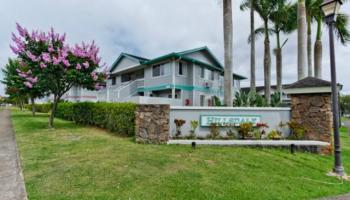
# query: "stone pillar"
[152,124]
[314,112]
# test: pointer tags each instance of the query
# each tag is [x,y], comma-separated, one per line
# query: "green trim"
[182,87]
[201,49]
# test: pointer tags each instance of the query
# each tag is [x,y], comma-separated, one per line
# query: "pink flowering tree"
[48,61]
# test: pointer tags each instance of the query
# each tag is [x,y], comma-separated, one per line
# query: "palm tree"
[264,8]
[284,20]
[228,37]
[244,5]
[314,13]
[302,40]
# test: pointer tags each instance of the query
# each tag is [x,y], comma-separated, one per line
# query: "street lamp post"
[330,9]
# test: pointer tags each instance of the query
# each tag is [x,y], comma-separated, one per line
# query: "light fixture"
[330,9]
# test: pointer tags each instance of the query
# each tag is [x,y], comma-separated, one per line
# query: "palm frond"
[260,32]
[342,28]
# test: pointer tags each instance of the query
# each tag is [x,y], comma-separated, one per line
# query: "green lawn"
[75,162]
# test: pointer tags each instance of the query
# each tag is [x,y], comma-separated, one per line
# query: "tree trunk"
[21,104]
[318,59]
[309,48]
[302,41]
[53,110]
[252,48]
[228,43]
[279,70]
[279,65]
[33,105]
[318,50]
[267,65]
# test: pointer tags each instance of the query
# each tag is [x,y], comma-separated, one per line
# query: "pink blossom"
[23,75]
[66,62]
[14,50]
[94,76]
[28,84]
[56,61]
[78,67]
[86,64]
[51,49]
[43,65]
[32,80]
[22,31]
[46,57]
[62,38]
[32,57]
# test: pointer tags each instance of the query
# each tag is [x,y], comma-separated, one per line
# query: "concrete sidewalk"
[11,178]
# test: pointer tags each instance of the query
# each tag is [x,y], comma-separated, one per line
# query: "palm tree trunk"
[252,48]
[309,47]
[267,65]
[228,37]
[279,65]
[301,39]
[318,50]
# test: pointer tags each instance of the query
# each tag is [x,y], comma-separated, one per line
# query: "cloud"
[153,27]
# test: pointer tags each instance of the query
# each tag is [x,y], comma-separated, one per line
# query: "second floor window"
[158,70]
[114,81]
[182,69]
[126,78]
[202,72]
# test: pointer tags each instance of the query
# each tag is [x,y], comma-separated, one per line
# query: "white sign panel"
[224,120]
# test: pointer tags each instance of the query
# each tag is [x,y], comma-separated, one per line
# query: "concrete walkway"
[11,178]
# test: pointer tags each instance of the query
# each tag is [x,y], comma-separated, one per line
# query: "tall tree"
[341,30]
[244,5]
[48,61]
[228,45]
[284,21]
[265,8]
[302,39]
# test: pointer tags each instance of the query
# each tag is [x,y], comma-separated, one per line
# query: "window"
[212,75]
[126,78]
[140,74]
[182,69]
[202,100]
[158,70]
[114,81]
[202,72]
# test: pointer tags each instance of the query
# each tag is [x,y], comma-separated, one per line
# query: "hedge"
[40,108]
[116,117]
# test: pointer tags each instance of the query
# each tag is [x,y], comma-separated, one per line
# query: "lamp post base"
[340,175]
[339,170]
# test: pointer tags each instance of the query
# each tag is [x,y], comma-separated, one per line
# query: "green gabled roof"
[179,55]
[132,57]
[201,49]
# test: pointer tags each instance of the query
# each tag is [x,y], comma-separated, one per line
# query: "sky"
[151,28]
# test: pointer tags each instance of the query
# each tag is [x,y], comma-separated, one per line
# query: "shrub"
[214,131]
[245,128]
[297,129]
[194,125]
[179,123]
[116,117]
[40,108]
[274,135]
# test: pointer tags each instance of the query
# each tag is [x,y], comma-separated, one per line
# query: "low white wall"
[271,116]
[151,100]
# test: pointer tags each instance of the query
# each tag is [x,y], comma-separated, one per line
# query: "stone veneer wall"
[314,112]
[152,124]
